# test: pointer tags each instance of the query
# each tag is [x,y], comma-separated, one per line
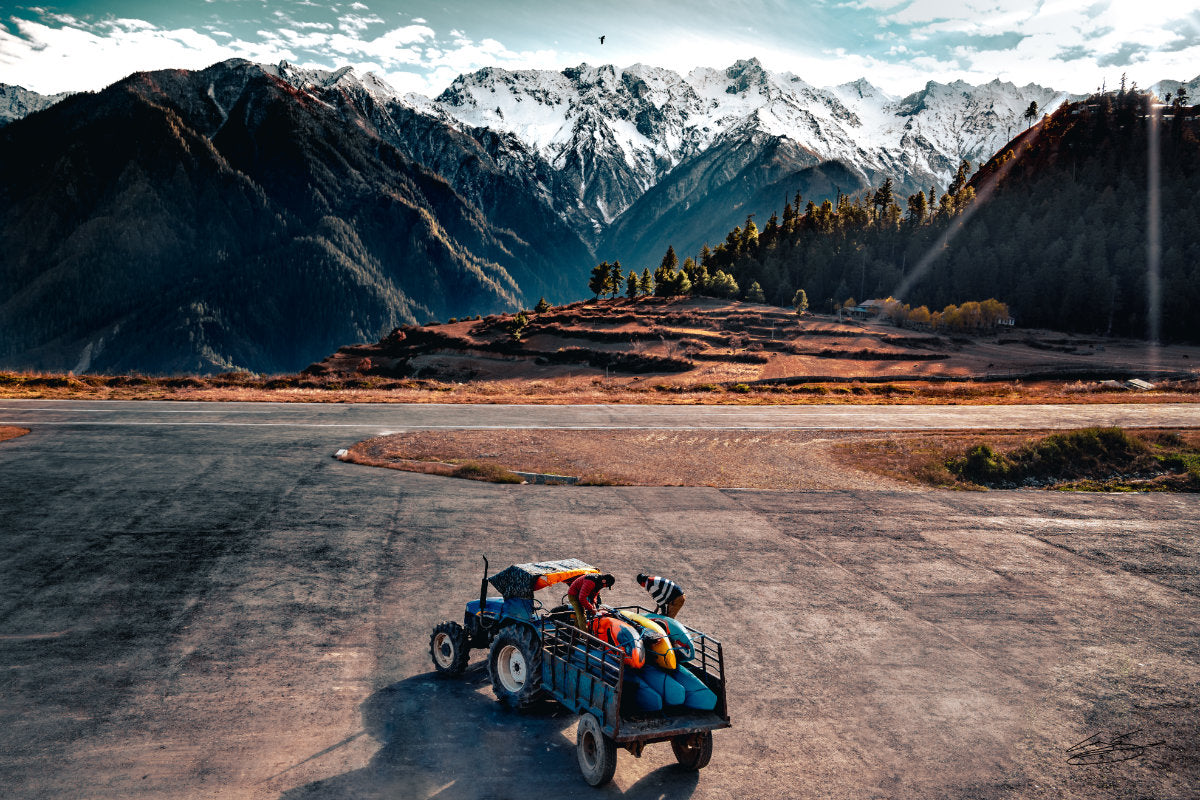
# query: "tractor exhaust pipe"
[483,585]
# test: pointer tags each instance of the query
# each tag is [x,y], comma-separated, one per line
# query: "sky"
[422,45]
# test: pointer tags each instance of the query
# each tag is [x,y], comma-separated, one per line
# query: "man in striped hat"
[667,594]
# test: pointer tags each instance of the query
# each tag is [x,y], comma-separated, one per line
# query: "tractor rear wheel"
[449,648]
[693,751]
[597,753]
[515,663]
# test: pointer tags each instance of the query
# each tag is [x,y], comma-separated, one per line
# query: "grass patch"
[1092,459]
[1091,453]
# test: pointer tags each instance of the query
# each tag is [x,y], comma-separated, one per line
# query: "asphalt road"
[198,601]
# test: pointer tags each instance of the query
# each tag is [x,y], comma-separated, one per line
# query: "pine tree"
[598,283]
[883,198]
[721,285]
[631,284]
[918,209]
[646,283]
[960,178]
[749,243]
[542,306]
[670,260]
[616,277]
[1031,112]
[755,294]
[800,302]
[517,325]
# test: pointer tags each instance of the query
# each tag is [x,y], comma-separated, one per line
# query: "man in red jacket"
[584,594]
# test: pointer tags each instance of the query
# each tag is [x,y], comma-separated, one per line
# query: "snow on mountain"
[17,102]
[650,119]
[344,77]
[1163,88]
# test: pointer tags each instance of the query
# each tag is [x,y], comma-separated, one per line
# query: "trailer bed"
[586,674]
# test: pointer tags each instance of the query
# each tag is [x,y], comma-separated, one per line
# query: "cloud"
[1128,53]
[1075,52]
[1186,31]
[79,57]
[354,23]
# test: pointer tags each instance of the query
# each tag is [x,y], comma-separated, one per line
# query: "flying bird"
[601,40]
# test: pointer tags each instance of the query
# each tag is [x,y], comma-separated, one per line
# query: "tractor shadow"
[449,739]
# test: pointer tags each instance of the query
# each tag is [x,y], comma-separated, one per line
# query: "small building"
[868,309]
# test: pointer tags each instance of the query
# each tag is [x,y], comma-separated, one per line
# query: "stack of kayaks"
[655,648]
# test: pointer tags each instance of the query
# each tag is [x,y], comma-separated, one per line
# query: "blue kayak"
[696,694]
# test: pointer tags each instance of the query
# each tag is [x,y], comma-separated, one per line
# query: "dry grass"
[566,390]
[921,457]
[11,432]
[725,459]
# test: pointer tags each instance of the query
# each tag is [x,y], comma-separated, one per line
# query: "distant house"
[868,309]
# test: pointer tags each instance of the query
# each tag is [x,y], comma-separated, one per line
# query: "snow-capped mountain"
[617,134]
[17,102]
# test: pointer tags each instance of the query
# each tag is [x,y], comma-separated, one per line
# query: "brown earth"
[683,351]
[781,460]
[795,460]
[694,342]
[11,432]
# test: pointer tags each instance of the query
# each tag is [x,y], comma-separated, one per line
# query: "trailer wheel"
[693,751]
[515,663]
[449,648]
[597,753]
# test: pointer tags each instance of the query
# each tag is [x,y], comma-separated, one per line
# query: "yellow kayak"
[658,647]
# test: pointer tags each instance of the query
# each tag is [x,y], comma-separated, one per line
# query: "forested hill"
[1055,225]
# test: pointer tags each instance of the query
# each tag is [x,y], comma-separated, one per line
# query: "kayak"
[621,634]
[658,647]
[680,640]
[696,694]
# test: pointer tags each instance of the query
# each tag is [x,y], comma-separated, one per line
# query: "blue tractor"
[535,653]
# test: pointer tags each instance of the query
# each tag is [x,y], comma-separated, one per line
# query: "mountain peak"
[745,74]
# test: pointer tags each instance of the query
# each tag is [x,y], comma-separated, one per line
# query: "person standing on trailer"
[666,593]
[584,594]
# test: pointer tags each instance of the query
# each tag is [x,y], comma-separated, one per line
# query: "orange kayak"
[622,634]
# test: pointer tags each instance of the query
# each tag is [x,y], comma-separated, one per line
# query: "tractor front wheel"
[597,753]
[515,663]
[449,648]
[693,751]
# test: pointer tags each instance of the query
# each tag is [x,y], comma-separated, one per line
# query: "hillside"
[1066,224]
[685,343]
[258,216]
[201,221]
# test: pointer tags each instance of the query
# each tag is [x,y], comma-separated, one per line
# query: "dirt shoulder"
[800,460]
[780,460]
[11,432]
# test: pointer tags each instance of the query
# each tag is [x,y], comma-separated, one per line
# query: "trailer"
[587,676]
[534,654]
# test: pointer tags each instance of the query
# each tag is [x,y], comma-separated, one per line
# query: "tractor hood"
[522,580]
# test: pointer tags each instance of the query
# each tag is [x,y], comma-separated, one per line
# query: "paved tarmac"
[197,601]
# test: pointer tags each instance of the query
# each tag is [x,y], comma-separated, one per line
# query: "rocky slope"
[17,102]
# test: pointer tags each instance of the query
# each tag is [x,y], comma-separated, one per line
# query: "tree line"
[1061,237]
